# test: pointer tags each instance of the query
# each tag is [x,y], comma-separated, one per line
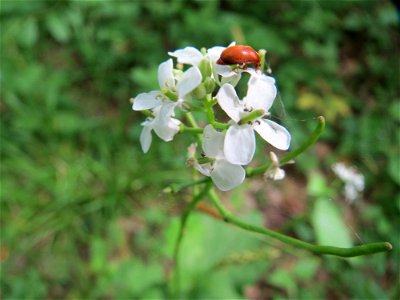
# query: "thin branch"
[293,154]
[329,250]
[186,129]
[193,123]
[184,218]
[175,187]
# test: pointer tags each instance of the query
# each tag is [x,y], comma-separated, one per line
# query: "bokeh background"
[83,212]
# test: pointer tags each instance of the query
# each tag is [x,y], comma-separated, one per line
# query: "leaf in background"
[317,186]
[394,166]
[58,28]
[284,279]
[205,244]
[395,111]
[306,268]
[28,32]
[328,224]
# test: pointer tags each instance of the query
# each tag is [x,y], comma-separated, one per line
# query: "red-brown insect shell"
[239,55]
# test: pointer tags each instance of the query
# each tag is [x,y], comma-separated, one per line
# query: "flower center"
[169,94]
[252,116]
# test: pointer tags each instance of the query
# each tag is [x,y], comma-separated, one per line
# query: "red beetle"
[240,55]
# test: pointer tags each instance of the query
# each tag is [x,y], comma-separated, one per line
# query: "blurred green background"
[83,213]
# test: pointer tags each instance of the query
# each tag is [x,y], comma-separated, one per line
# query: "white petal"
[166,127]
[167,109]
[229,102]
[165,75]
[261,92]
[147,100]
[233,80]
[145,136]
[188,55]
[190,79]
[213,142]
[273,133]
[227,176]
[225,70]
[240,144]
[215,52]
[204,169]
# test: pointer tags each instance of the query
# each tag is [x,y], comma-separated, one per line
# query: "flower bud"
[200,92]
[209,84]
[205,68]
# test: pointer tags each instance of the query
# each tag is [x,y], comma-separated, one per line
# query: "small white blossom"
[194,57]
[240,141]
[171,85]
[163,124]
[224,174]
[353,180]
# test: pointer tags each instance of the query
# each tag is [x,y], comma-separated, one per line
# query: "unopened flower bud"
[205,68]
[200,92]
[209,84]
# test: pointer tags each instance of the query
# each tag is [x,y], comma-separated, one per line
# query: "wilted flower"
[353,180]
[274,172]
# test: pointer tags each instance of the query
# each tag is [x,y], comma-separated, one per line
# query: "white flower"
[274,172]
[353,180]
[163,124]
[194,57]
[240,141]
[174,88]
[224,174]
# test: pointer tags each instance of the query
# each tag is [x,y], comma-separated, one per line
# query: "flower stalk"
[293,154]
[366,249]
[182,226]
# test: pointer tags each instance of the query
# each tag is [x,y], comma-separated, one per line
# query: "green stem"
[208,105]
[293,154]
[262,54]
[329,250]
[219,125]
[184,218]
[185,129]
[191,120]
[193,123]
[175,188]
[147,113]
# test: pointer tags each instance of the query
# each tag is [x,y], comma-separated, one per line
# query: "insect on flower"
[241,55]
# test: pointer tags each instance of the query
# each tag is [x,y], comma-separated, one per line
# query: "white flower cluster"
[224,152]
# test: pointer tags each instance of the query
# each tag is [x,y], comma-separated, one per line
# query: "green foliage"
[82,213]
[329,227]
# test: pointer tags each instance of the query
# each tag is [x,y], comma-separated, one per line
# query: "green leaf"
[395,111]
[58,28]
[317,186]
[306,268]
[394,166]
[28,32]
[328,224]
